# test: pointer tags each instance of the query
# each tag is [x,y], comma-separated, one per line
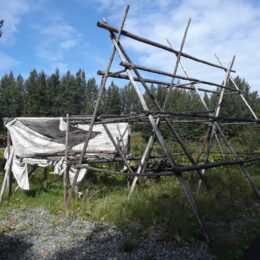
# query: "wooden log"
[212,130]
[178,56]
[3,186]
[100,94]
[10,175]
[160,72]
[166,150]
[118,148]
[194,85]
[217,111]
[159,82]
[176,169]
[239,91]
[66,172]
[156,103]
[7,173]
[45,178]
[245,171]
[151,140]
[155,44]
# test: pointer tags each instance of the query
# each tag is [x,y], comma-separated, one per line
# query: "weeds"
[159,205]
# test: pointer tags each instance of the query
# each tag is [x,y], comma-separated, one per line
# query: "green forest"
[56,95]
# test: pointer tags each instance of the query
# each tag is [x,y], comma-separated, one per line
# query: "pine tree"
[91,96]
[112,103]
[54,94]
[11,96]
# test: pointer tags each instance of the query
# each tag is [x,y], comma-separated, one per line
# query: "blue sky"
[49,34]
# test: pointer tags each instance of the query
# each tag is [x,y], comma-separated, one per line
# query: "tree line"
[56,95]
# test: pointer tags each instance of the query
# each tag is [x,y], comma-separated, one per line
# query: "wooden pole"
[153,98]
[151,140]
[7,173]
[159,82]
[155,44]
[117,148]
[166,150]
[10,175]
[160,72]
[66,172]
[193,85]
[217,110]
[240,94]
[212,129]
[3,186]
[101,91]
[174,171]
[247,174]
[45,179]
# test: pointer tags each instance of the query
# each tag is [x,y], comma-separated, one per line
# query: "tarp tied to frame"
[35,138]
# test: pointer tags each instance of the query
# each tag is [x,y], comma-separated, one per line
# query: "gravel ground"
[37,234]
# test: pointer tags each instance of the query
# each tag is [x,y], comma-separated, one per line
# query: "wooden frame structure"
[132,72]
[155,118]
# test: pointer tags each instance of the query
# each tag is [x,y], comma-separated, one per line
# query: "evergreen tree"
[54,95]
[112,102]
[79,93]
[68,86]
[11,96]
[91,96]
[129,100]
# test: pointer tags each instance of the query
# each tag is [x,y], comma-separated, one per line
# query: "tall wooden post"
[10,174]
[66,172]
[100,94]
[45,178]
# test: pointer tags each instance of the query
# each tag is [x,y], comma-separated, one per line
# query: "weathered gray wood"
[100,94]
[241,95]
[177,170]
[178,60]
[10,175]
[158,45]
[193,85]
[151,140]
[245,171]
[167,152]
[3,186]
[45,178]
[159,82]
[7,173]
[160,72]
[212,130]
[118,149]
[156,103]
[217,111]
[66,172]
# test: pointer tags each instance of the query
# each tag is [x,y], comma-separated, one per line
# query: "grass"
[156,205]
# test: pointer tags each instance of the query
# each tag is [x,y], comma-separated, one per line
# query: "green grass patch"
[158,205]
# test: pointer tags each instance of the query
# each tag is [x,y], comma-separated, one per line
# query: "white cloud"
[7,62]
[12,11]
[56,40]
[222,27]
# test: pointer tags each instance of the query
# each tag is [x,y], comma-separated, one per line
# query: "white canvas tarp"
[34,138]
